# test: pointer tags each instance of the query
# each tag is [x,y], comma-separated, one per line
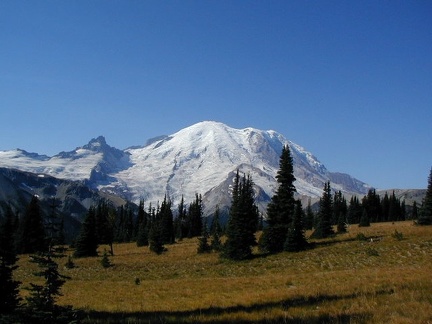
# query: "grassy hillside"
[341,280]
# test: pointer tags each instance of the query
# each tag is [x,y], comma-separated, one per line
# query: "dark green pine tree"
[180,222]
[280,210]
[42,299]
[216,232]
[324,228]
[355,211]
[156,243]
[139,219]
[166,222]
[394,209]
[143,223]
[425,217]
[104,223]
[372,203]
[124,224]
[32,234]
[309,217]
[87,243]
[340,211]
[364,220]
[105,261]
[249,209]
[54,224]
[203,241]
[414,212]
[242,223]
[194,217]
[385,208]
[9,296]
[295,240]
[143,234]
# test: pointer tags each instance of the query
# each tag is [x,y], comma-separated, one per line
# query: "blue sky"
[351,81]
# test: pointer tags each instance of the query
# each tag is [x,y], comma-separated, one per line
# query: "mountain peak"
[96,144]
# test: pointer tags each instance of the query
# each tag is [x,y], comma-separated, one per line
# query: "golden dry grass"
[341,280]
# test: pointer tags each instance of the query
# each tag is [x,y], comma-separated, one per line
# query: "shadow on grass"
[209,315]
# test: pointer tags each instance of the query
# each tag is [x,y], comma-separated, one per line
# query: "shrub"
[372,252]
[361,237]
[397,235]
[69,263]
[106,263]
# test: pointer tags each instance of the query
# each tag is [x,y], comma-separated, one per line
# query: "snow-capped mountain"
[202,158]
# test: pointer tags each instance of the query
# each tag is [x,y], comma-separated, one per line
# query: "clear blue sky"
[351,81]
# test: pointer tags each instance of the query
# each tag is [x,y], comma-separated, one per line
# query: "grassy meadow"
[340,280]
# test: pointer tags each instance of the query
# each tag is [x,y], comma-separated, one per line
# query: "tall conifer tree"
[243,221]
[296,240]
[32,234]
[425,217]
[280,210]
[166,222]
[9,295]
[216,231]
[324,227]
[194,217]
[180,222]
[87,243]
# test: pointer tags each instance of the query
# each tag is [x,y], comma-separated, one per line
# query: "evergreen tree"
[203,244]
[180,223]
[371,202]
[143,234]
[125,224]
[324,228]
[385,208]
[425,217]
[9,295]
[394,209]
[414,213]
[403,211]
[139,219]
[280,210]
[309,217]
[295,240]
[249,209]
[340,211]
[105,262]
[32,233]
[54,225]
[143,226]
[156,244]
[104,224]
[87,244]
[166,222]
[364,220]
[42,299]
[41,304]
[216,231]
[194,217]
[242,223]
[355,211]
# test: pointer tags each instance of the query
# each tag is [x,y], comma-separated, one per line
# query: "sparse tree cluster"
[105,224]
[243,220]
[46,244]
[335,211]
